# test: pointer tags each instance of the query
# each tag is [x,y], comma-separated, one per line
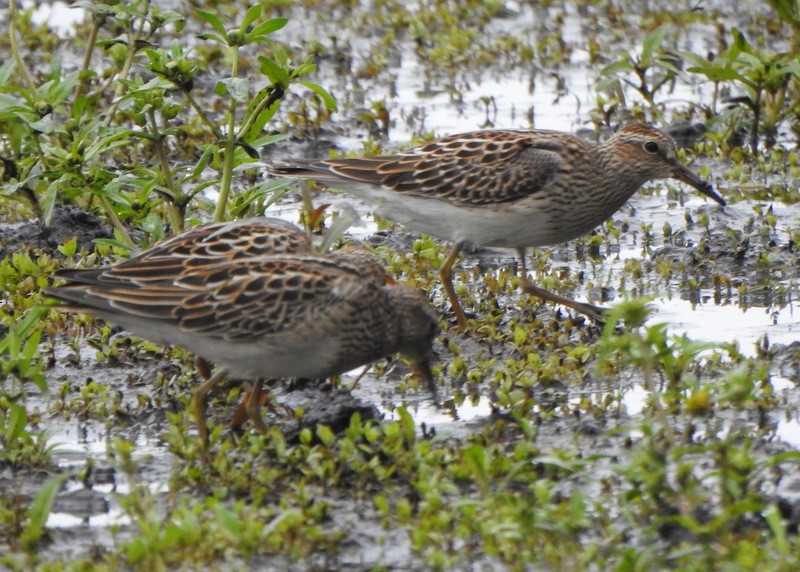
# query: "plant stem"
[756,107]
[116,223]
[12,40]
[230,149]
[87,57]
[133,39]
[175,216]
[202,115]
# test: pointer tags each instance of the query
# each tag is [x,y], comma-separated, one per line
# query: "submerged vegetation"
[628,447]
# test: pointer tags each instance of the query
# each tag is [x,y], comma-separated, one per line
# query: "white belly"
[527,223]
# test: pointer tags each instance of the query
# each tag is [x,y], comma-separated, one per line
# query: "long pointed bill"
[422,369]
[685,175]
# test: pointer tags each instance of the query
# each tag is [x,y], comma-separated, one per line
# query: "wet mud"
[67,222]
[735,264]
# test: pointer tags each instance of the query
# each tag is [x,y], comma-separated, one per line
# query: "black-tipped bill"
[685,175]
[422,369]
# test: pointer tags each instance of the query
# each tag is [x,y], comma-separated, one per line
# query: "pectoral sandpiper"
[246,297]
[512,189]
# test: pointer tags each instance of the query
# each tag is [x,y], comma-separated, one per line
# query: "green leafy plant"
[768,82]
[789,12]
[24,526]
[263,106]
[650,348]
[39,511]
[67,141]
[647,72]
[19,446]
[20,352]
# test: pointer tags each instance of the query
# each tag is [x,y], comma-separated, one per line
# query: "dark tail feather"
[77,300]
[80,275]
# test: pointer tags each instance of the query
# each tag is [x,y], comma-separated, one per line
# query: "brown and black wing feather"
[478,168]
[230,300]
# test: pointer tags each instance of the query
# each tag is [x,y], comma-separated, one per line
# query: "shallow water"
[511,103]
[563,103]
[59,16]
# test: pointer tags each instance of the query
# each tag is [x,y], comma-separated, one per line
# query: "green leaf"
[114,243]
[69,248]
[275,189]
[695,59]
[718,74]
[553,461]
[751,60]
[305,68]
[260,121]
[275,72]
[325,434]
[740,43]
[617,67]
[652,43]
[221,89]
[786,10]
[213,38]
[215,22]
[40,510]
[148,89]
[15,426]
[136,550]
[31,347]
[253,14]
[783,457]
[279,56]
[7,70]
[479,461]
[790,68]
[119,40]
[107,143]
[59,91]
[407,425]
[772,515]
[230,522]
[327,98]
[262,30]
[269,140]
[21,328]
[45,125]
[202,163]
[9,104]
[49,200]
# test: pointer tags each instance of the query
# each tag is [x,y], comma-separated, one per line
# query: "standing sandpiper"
[505,188]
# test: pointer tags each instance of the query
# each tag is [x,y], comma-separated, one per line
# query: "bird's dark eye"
[651,147]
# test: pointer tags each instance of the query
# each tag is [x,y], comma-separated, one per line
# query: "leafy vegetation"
[763,86]
[629,447]
[107,134]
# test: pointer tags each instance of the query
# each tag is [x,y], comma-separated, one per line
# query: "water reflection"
[58,16]
[728,323]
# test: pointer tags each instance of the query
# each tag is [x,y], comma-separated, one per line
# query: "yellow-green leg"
[253,407]
[199,403]
[594,312]
[446,275]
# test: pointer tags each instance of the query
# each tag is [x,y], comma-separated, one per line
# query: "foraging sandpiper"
[246,297]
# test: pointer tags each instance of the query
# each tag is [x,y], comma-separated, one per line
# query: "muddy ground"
[729,279]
